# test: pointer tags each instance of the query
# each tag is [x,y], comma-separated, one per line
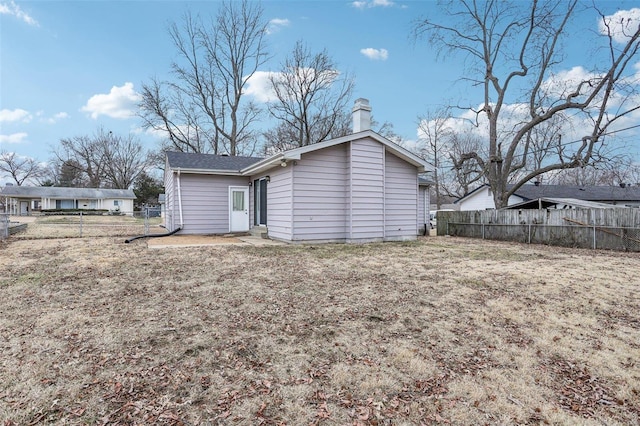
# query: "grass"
[443,330]
[75,226]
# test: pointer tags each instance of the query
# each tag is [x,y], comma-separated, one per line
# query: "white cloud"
[383,3]
[56,117]
[15,115]
[13,138]
[277,24]
[564,82]
[622,24]
[259,86]
[362,4]
[120,102]
[375,54]
[11,8]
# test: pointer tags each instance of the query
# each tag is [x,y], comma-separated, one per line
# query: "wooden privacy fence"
[613,229]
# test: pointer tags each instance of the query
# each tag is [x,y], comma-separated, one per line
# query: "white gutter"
[180,200]
[211,172]
[268,163]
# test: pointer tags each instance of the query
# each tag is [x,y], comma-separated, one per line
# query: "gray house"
[357,188]
[24,200]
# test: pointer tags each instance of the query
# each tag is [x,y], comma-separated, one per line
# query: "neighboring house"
[562,196]
[357,188]
[23,200]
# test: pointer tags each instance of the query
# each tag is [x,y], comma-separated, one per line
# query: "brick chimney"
[361,115]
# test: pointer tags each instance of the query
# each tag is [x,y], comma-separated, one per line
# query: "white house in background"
[562,195]
[24,200]
[357,188]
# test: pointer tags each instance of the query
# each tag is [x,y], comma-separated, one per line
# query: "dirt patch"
[437,331]
[192,240]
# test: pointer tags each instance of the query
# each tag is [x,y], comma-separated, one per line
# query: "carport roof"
[546,202]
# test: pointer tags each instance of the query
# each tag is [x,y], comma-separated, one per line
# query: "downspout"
[180,200]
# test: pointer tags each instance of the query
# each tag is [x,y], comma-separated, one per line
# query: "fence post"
[80,224]
[594,237]
[4,224]
[483,230]
[529,233]
[146,220]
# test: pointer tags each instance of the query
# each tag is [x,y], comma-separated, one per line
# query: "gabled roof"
[470,194]
[66,193]
[246,166]
[295,154]
[585,192]
[195,162]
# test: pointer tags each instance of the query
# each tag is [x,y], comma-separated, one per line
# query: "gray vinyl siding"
[400,198]
[320,195]
[423,214]
[366,190]
[170,199]
[205,202]
[279,203]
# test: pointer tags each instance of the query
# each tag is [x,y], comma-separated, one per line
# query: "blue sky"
[69,67]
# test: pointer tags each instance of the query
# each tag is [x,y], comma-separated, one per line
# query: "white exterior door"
[24,208]
[238,208]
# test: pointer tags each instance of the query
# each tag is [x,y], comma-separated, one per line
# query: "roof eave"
[206,171]
[270,162]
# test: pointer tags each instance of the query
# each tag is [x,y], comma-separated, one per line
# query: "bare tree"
[311,96]
[81,156]
[204,110]
[165,109]
[100,160]
[435,137]
[463,174]
[283,137]
[124,159]
[619,170]
[20,169]
[513,52]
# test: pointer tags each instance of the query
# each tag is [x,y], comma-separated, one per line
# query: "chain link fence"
[83,225]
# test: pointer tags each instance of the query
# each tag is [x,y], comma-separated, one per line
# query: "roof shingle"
[195,161]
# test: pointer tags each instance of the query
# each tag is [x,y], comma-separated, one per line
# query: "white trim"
[296,153]
[384,193]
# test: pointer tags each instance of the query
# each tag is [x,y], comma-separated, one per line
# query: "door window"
[238,201]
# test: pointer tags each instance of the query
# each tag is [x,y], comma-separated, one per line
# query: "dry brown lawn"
[438,331]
